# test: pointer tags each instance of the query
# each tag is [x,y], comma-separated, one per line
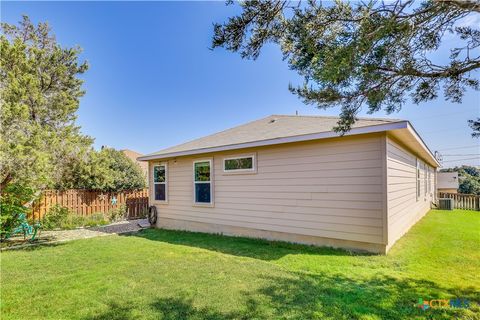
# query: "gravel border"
[52,237]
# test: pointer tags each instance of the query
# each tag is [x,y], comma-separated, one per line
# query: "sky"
[153,82]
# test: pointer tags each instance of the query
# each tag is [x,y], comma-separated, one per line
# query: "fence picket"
[463,201]
[86,202]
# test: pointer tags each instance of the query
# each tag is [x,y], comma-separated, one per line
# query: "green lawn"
[179,275]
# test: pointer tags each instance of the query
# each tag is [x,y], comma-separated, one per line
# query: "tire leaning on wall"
[152,215]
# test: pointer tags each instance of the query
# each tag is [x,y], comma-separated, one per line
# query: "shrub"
[57,217]
[13,200]
[96,219]
[117,213]
[74,221]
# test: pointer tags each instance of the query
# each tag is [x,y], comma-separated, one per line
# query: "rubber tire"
[152,215]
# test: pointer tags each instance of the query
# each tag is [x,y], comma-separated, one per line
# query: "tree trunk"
[5,182]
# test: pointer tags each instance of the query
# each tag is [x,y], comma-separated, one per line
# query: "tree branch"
[463,4]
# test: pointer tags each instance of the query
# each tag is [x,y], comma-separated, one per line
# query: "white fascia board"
[260,143]
[420,141]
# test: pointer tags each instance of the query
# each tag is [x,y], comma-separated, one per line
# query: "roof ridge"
[334,117]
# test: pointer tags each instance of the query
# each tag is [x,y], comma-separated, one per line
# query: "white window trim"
[160,164]
[203,204]
[241,171]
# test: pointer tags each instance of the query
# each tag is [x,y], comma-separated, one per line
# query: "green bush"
[57,217]
[96,219]
[117,213]
[13,200]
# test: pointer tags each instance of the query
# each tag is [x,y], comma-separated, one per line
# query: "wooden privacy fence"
[86,202]
[463,201]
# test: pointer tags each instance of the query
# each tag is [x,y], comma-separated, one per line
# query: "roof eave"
[299,138]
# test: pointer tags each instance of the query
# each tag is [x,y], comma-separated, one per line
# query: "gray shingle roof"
[271,127]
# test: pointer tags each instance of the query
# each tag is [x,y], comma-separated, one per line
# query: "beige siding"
[332,188]
[404,208]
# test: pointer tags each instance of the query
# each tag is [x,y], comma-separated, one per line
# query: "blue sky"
[153,82]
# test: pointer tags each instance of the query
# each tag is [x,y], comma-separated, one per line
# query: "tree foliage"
[104,170]
[475,125]
[12,203]
[364,53]
[40,90]
[469,179]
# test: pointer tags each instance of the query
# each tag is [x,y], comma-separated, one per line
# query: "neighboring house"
[133,155]
[291,178]
[447,182]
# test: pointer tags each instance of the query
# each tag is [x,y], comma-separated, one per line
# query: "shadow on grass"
[308,296]
[239,246]
[30,246]
[303,296]
[168,309]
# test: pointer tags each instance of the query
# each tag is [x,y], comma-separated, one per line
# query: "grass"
[160,274]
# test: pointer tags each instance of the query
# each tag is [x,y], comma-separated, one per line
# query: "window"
[202,181]
[160,182]
[239,164]
[429,180]
[418,179]
[425,181]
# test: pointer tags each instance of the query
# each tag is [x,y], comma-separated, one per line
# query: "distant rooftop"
[447,180]
[271,127]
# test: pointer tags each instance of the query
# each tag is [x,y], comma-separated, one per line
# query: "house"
[133,155]
[447,182]
[292,178]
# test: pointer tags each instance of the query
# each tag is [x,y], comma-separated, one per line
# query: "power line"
[466,147]
[462,159]
[460,155]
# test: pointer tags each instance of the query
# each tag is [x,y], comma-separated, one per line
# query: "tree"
[105,170]
[370,53]
[40,90]
[469,185]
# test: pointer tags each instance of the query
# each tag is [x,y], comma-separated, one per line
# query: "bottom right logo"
[438,303]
